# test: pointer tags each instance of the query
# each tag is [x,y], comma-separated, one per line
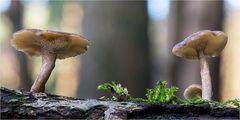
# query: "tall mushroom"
[200,45]
[51,45]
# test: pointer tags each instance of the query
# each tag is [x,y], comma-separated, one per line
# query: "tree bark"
[19,104]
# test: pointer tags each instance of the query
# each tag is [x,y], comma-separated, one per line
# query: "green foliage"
[160,93]
[118,92]
[117,88]
[137,99]
[235,102]
[195,100]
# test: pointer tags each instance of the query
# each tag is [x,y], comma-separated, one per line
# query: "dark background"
[131,44]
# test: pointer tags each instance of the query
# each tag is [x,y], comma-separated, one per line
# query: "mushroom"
[200,45]
[51,45]
[193,90]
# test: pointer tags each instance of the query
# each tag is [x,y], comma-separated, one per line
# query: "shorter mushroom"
[192,91]
[51,45]
[200,45]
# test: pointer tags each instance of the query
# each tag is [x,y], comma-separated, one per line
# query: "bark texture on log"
[18,104]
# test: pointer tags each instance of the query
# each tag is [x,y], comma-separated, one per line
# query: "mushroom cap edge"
[210,42]
[32,41]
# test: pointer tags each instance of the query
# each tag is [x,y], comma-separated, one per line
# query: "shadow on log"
[18,104]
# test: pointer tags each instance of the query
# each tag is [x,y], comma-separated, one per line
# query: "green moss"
[137,99]
[159,93]
[195,100]
[117,88]
[232,103]
[118,92]
[235,102]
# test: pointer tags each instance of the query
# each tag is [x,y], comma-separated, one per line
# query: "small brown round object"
[193,90]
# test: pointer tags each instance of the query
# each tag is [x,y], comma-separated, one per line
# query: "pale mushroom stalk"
[48,64]
[200,45]
[205,77]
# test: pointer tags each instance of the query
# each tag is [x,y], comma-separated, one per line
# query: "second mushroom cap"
[210,42]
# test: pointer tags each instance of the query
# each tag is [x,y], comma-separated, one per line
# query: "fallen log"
[20,104]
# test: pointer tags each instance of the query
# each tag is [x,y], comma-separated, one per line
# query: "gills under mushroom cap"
[211,43]
[64,45]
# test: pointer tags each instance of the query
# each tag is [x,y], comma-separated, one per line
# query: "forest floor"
[20,104]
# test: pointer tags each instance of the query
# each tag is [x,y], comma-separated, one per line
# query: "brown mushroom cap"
[32,41]
[210,42]
[193,90]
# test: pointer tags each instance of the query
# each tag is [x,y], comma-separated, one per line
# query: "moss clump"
[159,93]
[118,92]
[195,100]
[235,102]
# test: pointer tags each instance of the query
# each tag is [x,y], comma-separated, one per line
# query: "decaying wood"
[18,104]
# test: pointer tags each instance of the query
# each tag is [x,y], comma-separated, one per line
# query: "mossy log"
[19,104]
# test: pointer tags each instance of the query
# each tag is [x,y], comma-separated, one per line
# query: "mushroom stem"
[48,64]
[206,78]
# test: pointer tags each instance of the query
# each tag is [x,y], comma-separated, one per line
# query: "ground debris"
[19,104]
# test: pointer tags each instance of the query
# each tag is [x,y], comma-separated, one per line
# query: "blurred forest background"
[131,44]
